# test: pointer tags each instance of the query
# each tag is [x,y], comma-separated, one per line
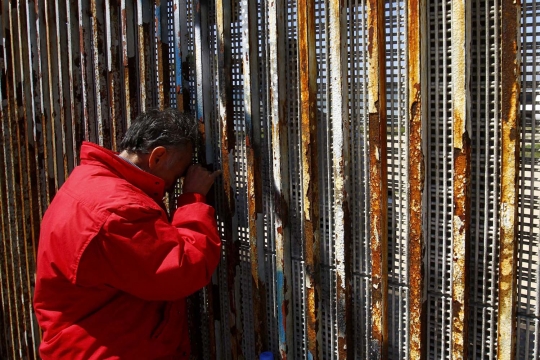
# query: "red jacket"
[113,271]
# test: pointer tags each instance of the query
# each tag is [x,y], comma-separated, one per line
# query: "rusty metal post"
[8,244]
[125,59]
[254,173]
[52,108]
[378,179]
[142,43]
[178,55]
[340,159]
[114,90]
[158,54]
[280,175]
[460,35]
[74,85]
[98,69]
[203,111]
[510,90]
[416,25]
[27,179]
[227,143]
[310,166]
[85,48]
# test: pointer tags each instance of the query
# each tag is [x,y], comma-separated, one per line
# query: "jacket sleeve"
[138,251]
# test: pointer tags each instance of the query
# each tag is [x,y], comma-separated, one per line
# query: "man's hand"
[199,180]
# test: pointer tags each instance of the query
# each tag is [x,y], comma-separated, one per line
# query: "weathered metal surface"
[510,144]
[141,52]
[227,141]
[158,69]
[98,69]
[378,179]
[280,176]
[460,33]
[339,113]
[307,66]
[52,108]
[27,179]
[73,84]
[126,15]
[114,96]
[178,55]
[11,262]
[417,96]
[253,159]
[17,156]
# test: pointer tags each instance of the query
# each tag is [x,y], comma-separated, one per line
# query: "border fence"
[380,195]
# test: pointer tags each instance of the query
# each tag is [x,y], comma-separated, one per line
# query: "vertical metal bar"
[223,20]
[143,51]
[280,175]
[307,67]
[46,178]
[253,158]
[378,180]
[203,112]
[114,107]
[59,72]
[19,181]
[73,85]
[88,98]
[13,315]
[27,179]
[11,322]
[202,57]
[125,60]
[460,33]
[51,105]
[94,23]
[340,145]
[510,90]
[158,54]
[416,25]
[178,55]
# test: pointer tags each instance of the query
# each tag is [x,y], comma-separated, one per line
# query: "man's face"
[173,164]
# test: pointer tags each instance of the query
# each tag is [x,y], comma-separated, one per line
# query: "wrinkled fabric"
[113,271]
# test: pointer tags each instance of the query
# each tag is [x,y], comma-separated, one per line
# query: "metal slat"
[460,33]
[417,117]
[340,173]
[378,179]
[307,67]
[89,116]
[227,142]
[27,188]
[280,177]
[113,79]
[252,140]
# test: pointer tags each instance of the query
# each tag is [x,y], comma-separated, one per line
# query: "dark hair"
[168,128]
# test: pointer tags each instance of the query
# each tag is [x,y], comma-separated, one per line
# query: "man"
[112,270]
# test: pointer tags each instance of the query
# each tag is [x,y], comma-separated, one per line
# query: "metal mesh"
[439,168]
[397,140]
[529,187]
[485,164]
[361,272]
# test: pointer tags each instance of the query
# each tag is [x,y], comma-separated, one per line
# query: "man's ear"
[157,157]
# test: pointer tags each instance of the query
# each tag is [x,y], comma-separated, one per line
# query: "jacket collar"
[152,185]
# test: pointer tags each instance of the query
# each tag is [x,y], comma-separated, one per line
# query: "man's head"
[161,143]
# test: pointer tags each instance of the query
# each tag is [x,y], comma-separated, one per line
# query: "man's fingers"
[216,173]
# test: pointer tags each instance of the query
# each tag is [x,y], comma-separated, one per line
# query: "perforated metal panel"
[529,216]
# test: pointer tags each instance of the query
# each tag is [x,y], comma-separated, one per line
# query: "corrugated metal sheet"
[379,196]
